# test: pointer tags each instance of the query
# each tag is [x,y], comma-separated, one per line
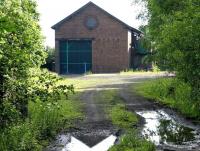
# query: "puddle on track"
[70,143]
[76,145]
[168,132]
[163,130]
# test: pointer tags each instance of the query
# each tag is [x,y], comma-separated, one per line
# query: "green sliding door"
[75,56]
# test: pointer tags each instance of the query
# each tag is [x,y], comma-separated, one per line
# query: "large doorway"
[75,56]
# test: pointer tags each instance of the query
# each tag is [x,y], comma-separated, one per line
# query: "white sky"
[52,11]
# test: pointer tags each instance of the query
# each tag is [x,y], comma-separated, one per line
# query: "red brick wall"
[110,40]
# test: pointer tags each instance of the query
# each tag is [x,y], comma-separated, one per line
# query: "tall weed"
[44,121]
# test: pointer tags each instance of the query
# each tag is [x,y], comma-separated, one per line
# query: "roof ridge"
[86,5]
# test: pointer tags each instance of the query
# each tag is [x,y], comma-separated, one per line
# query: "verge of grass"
[45,120]
[125,120]
[48,119]
[171,92]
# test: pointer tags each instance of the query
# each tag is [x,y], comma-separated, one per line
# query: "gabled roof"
[56,26]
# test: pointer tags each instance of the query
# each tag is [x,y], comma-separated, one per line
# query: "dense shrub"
[45,120]
[19,137]
[30,99]
[49,110]
[21,48]
[40,85]
[174,31]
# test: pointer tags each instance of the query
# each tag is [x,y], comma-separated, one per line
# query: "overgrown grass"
[45,120]
[49,118]
[122,118]
[130,142]
[125,120]
[20,137]
[171,92]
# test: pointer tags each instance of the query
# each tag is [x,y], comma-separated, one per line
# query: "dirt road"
[94,110]
[96,126]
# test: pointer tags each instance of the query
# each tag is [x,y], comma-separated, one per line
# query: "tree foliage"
[21,54]
[20,49]
[50,60]
[175,30]
[145,38]
[146,43]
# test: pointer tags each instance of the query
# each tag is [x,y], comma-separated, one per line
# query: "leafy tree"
[21,51]
[21,48]
[147,44]
[145,39]
[174,28]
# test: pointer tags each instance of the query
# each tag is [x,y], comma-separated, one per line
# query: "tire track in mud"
[94,112]
[96,126]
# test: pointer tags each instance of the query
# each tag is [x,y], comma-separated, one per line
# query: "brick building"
[91,39]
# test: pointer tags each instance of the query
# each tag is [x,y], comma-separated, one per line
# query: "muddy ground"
[96,126]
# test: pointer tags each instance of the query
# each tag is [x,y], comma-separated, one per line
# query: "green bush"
[19,138]
[21,48]
[51,107]
[48,118]
[30,99]
[44,121]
